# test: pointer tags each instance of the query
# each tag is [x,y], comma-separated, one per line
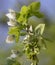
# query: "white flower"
[36,50]
[26,37]
[10,39]
[31,63]
[11,23]
[31,28]
[11,14]
[13,55]
[11,11]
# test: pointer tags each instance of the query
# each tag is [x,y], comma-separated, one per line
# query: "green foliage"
[22,33]
[14,31]
[28,11]
[35,6]
[22,19]
[24,10]
[38,14]
[23,15]
[12,62]
[33,41]
[17,15]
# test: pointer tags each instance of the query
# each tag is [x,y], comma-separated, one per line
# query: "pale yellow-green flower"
[41,27]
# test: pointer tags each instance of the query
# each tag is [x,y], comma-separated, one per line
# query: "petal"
[26,37]
[13,55]
[31,28]
[10,16]
[10,39]
[12,22]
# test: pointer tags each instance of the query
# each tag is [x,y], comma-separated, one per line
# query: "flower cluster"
[33,40]
[12,17]
[12,22]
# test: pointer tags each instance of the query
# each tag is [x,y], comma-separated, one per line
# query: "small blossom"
[11,11]
[10,39]
[13,55]
[37,51]
[11,14]
[26,28]
[31,28]
[26,37]
[11,23]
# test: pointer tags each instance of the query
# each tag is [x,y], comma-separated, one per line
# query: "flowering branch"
[19,26]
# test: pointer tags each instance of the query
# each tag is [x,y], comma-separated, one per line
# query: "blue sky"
[47,6]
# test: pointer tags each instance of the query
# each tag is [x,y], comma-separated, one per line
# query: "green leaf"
[17,15]
[24,10]
[43,44]
[22,19]
[38,14]
[14,31]
[34,6]
[41,27]
[48,39]
[13,62]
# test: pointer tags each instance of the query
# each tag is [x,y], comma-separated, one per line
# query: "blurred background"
[46,57]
